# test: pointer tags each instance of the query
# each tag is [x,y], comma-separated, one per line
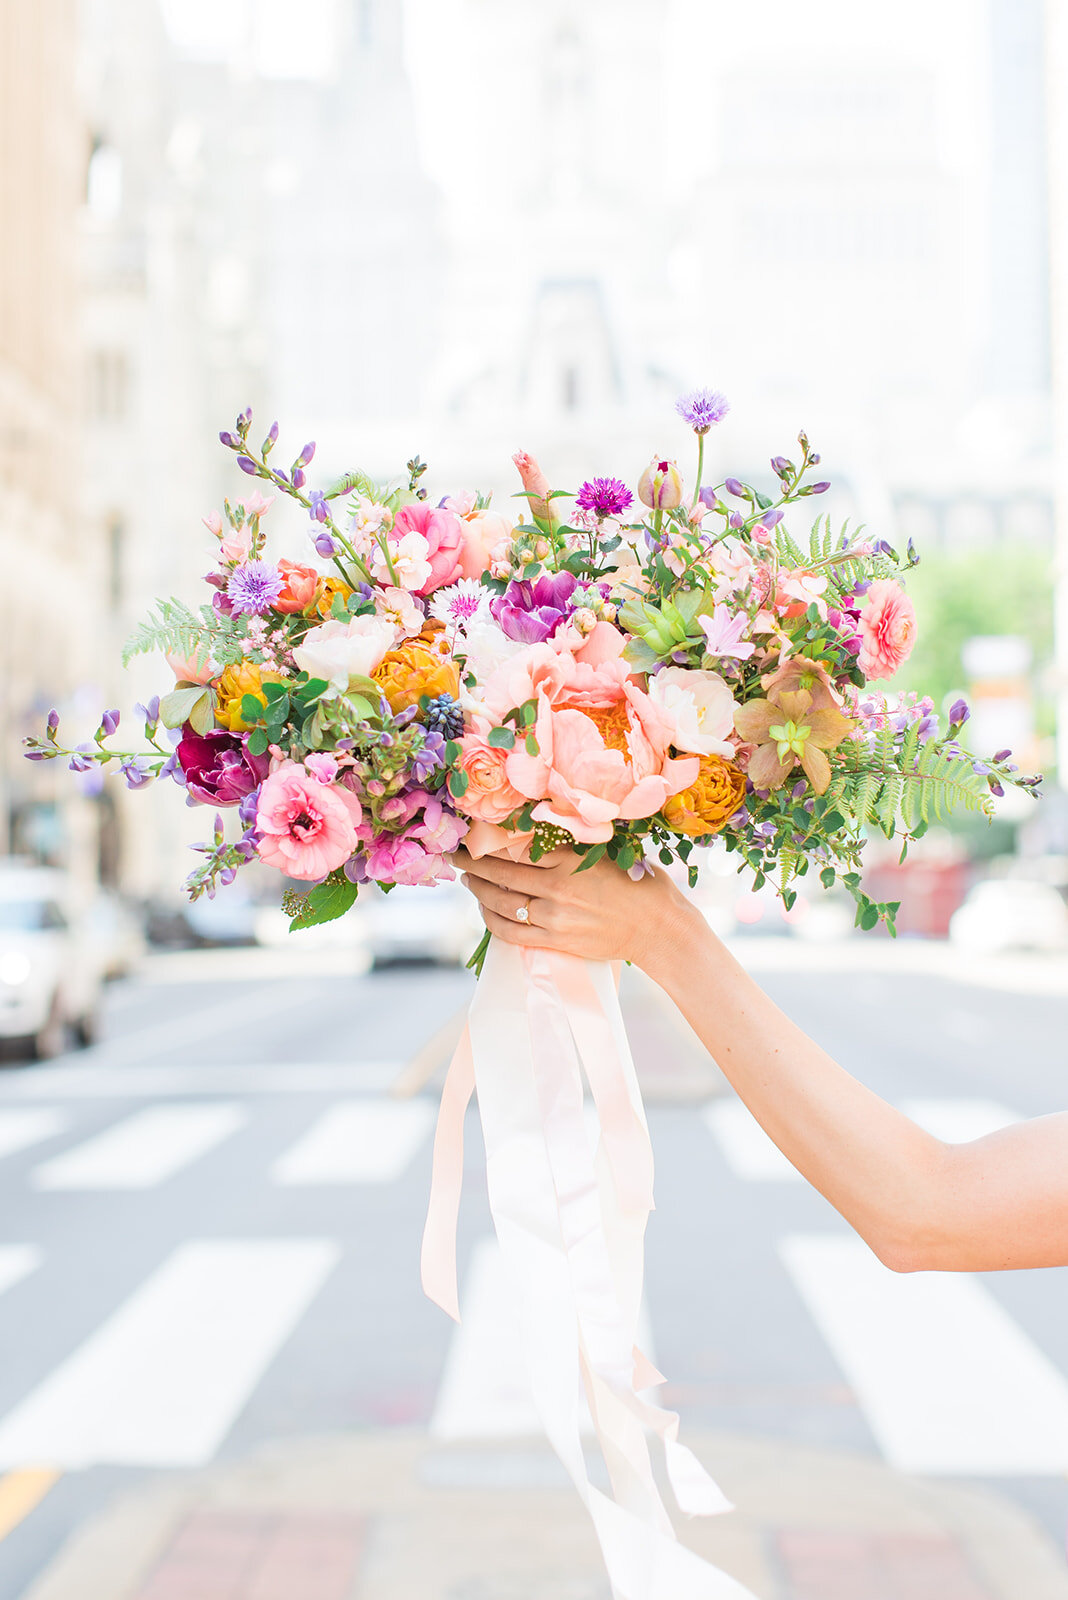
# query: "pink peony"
[307,828]
[489,796]
[602,743]
[887,629]
[443,532]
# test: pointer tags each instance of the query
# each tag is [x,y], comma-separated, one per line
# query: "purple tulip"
[530,611]
[219,768]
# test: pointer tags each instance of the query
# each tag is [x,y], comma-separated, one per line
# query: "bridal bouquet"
[631,672]
[636,677]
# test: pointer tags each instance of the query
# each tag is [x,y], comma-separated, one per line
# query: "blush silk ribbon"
[570,1215]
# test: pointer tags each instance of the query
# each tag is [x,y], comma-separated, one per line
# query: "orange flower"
[711,800]
[419,667]
[298,587]
[326,591]
[236,682]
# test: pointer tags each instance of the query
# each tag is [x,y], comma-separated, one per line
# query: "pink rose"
[307,828]
[481,532]
[443,532]
[887,629]
[489,796]
[602,744]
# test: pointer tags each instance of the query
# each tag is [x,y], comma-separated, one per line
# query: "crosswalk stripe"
[949,1383]
[17,1261]
[357,1141]
[162,1380]
[752,1155]
[22,1126]
[143,1150]
[959,1121]
[484,1391]
[745,1146]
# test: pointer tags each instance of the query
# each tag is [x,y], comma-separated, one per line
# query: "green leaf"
[258,742]
[275,691]
[501,739]
[528,713]
[833,821]
[252,708]
[869,918]
[458,782]
[452,752]
[531,744]
[591,857]
[827,877]
[192,705]
[325,903]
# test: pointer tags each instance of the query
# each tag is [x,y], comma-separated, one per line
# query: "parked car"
[1010,914]
[50,973]
[421,924]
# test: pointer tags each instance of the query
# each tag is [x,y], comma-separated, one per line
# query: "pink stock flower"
[236,544]
[321,765]
[887,629]
[256,504]
[214,523]
[307,828]
[443,532]
[602,743]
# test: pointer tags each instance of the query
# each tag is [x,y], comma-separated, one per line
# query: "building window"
[108,385]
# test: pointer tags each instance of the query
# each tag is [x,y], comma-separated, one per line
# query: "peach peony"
[887,629]
[602,743]
[307,828]
[489,795]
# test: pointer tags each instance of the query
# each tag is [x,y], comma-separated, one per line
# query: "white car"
[50,977]
[439,923]
[1010,914]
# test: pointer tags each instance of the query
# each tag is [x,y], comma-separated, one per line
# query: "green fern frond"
[176,630]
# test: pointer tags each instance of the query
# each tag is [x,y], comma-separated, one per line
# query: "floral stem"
[478,958]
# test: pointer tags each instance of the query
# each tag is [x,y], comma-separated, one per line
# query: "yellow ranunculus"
[415,669]
[326,592]
[236,682]
[715,795]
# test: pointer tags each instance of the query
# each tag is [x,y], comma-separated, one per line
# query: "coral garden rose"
[481,531]
[341,651]
[420,667]
[236,682]
[603,744]
[299,585]
[715,795]
[443,532]
[218,767]
[887,629]
[489,796]
[306,829]
[700,706]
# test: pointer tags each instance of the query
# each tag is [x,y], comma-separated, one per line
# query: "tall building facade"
[50,556]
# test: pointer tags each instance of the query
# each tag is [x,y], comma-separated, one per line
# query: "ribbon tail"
[438,1256]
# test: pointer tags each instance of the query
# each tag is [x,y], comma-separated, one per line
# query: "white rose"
[701,706]
[340,651]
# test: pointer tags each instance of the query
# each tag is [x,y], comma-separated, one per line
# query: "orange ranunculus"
[326,592]
[298,587]
[711,800]
[415,669]
[236,682]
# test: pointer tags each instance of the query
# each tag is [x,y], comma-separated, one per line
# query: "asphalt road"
[210,1234]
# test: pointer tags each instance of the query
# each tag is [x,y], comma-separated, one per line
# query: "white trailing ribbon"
[571,1216]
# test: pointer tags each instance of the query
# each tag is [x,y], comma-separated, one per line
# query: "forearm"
[886,1176]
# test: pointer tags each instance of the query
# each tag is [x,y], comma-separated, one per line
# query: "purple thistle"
[702,408]
[605,497]
[254,588]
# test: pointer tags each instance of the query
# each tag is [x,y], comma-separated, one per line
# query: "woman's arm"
[1000,1202]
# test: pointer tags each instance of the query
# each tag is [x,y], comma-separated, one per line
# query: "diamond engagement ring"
[523,913]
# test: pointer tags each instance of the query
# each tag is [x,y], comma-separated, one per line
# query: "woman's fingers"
[517,932]
[505,902]
[513,875]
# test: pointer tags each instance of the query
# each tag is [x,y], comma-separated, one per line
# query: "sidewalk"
[396,1516]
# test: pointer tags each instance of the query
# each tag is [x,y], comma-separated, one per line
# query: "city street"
[210,1304]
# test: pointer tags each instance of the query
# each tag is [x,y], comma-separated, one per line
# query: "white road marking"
[22,1126]
[358,1141]
[948,1381]
[161,1381]
[17,1261]
[86,1082]
[485,1391]
[960,1121]
[746,1147]
[143,1150]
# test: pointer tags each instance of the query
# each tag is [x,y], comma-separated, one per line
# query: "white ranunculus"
[340,651]
[701,706]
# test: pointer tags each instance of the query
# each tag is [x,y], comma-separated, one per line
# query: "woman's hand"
[599,913]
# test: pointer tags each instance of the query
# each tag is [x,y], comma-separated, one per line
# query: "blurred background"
[460,228]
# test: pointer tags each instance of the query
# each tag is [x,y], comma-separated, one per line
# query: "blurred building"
[51,555]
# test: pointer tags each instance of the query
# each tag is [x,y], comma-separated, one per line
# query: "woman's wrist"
[669,936]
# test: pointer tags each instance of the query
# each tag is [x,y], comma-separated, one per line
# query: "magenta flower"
[530,611]
[218,766]
[605,497]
